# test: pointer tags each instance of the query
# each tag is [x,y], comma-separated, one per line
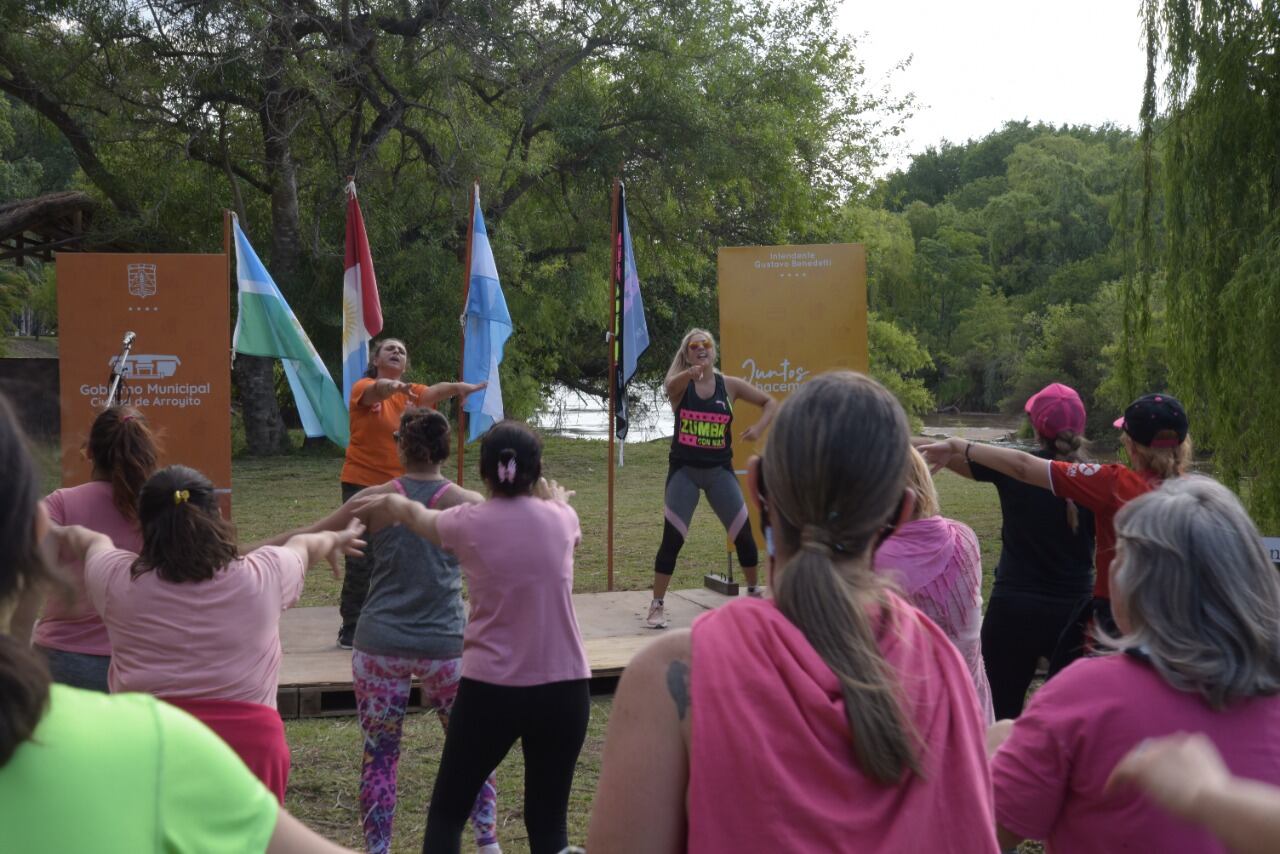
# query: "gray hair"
[1201,596]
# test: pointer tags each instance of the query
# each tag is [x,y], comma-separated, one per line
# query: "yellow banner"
[788,313]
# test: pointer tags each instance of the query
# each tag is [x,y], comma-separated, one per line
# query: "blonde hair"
[921,483]
[681,361]
[1068,447]
[830,499]
[1164,463]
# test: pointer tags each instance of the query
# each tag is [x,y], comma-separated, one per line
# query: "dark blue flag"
[631,333]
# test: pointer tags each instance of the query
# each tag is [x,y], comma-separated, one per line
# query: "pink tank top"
[771,764]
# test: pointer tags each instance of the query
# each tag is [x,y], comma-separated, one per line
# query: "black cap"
[1155,420]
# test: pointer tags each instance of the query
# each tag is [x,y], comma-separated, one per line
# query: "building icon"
[142,280]
[147,366]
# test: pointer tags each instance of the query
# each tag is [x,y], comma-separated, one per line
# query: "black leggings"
[355,578]
[550,721]
[1017,630]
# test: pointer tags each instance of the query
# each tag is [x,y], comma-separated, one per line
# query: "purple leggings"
[382,684]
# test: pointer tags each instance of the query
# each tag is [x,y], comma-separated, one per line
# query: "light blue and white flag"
[488,326]
[266,326]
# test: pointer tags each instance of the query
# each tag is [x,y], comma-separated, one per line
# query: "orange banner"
[178,373]
[788,313]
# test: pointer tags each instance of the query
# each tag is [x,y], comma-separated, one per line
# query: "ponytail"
[511,459]
[184,537]
[123,450]
[830,498]
[1071,447]
[831,612]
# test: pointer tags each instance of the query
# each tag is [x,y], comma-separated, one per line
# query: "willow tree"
[1216,137]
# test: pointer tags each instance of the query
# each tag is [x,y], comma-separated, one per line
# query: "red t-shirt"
[1103,489]
[372,457]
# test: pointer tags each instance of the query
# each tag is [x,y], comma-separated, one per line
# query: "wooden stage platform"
[315,675]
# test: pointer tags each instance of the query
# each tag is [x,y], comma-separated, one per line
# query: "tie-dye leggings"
[382,684]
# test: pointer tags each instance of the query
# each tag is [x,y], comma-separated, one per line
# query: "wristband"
[967,447]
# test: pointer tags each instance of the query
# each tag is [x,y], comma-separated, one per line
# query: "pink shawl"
[937,563]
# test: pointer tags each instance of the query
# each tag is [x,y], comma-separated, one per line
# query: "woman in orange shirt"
[377,402]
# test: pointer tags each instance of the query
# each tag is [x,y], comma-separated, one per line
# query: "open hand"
[938,454]
[752,433]
[346,542]
[1175,771]
[549,490]
[467,388]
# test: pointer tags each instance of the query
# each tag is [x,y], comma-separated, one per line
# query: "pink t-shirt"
[212,640]
[1049,775]
[772,766]
[517,556]
[71,625]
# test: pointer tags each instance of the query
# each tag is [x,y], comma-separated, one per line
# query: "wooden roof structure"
[36,228]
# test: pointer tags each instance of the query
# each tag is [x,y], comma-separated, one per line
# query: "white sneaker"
[657,618]
[755,592]
[491,848]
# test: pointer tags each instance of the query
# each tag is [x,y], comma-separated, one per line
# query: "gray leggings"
[685,484]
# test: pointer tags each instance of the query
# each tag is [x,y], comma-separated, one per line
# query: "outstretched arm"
[677,384]
[328,545]
[1185,775]
[380,389]
[443,391]
[76,541]
[1016,464]
[335,521]
[395,509]
[956,464]
[740,389]
[640,801]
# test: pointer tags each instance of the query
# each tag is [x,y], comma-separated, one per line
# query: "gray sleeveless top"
[414,607]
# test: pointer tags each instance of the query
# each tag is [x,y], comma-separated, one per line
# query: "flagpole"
[462,327]
[615,256]
[224,504]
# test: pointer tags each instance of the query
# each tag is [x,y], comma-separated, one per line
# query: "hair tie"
[507,471]
[181,496]
[127,418]
[815,539]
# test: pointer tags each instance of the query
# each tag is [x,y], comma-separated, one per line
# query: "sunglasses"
[699,345]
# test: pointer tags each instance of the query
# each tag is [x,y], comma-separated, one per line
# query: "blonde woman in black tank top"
[701,459]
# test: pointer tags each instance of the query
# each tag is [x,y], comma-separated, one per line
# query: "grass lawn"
[276,494]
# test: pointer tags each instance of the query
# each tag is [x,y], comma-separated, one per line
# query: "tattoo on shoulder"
[678,686]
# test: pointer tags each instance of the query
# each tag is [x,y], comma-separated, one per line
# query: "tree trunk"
[264,429]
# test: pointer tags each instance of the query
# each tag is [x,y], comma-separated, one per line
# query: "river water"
[582,416]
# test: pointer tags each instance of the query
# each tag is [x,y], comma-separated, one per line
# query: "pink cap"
[1055,408]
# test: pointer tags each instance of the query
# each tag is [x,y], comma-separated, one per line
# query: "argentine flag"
[488,326]
[361,310]
[266,326]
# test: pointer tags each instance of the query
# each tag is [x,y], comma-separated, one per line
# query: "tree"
[734,124]
[897,360]
[1221,187]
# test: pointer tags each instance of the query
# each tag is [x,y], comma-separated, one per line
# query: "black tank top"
[703,436]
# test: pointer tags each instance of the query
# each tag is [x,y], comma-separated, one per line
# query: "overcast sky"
[980,63]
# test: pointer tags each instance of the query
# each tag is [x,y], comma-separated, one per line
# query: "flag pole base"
[720,584]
